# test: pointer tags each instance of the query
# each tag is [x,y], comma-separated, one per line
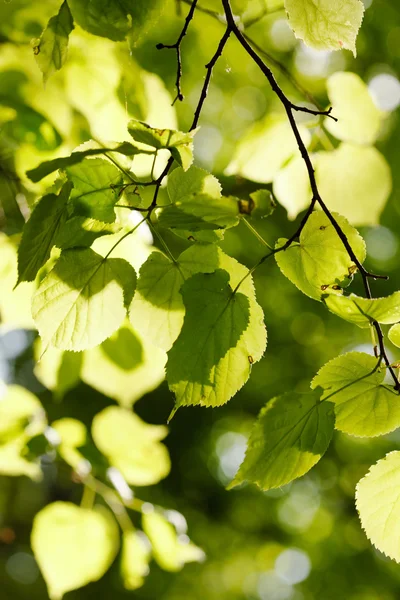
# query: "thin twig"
[177,48]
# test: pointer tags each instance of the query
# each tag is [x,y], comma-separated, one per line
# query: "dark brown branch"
[203,95]
[289,108]
[177,48]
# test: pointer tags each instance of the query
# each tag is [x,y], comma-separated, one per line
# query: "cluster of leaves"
[195,314]
[75,545]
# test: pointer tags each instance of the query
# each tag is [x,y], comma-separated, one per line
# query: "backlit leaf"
[326,25]
[81,301]
[363,311]
[81,231]
[378,502]
[131,445]
[364,404]
[354,181]
[292,187]
[394,334]
[93,194]
[169,551]
[51,49]
[73,546]
[289,437]
[72,434]
[265,148]
[359,119]
[135,558]
[319,260]
[40,233]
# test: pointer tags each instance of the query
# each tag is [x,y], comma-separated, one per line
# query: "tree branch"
[289,108]
[177,47]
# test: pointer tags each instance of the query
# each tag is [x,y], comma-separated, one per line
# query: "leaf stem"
[256,234]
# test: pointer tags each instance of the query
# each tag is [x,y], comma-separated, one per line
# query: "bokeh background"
[304,541]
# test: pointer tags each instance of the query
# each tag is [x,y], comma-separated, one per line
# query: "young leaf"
[355,181]
[193,181]
[124,367]
[179,144]
[40,233]
[131,445]
[364,405]
[359,119]
[93,194]
[169,551]
[261,205]
[363,311]
[394,334]
[81,301]
[51,49]
[326,25]
[73,546]
[378,501]
[212,357]
[292,187]
[259,156]
[320,260]
[135,558]
[18,408]
[49,166]
[291,434]
[81,231]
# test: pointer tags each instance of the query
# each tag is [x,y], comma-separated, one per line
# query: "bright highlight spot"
[293,566]
[385,91]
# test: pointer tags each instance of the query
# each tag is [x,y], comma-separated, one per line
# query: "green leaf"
[212,357]
[354,181]
[73,434]
[363,311]
[57,370]
[113,20]
[364,405]
[52,48]
[265,148]
[261,205]
[359,119]
[157,308]
[377,501]
[124,367]
[135,558]
[81,301]
[289,437]
[394,335]
[179,144]
[49,166]
[73,546]
[40,233]
[319,260]
[15,303]
[18,409]
[200,211]
[193,181]
[169,551]
[93,194]
[292,187]
[81,231]
[131,445]
[326,25]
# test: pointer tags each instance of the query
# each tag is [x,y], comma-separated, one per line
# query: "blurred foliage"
[302,541]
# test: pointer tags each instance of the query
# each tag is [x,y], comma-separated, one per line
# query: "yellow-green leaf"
[73,546]
[135,559]
[378,504]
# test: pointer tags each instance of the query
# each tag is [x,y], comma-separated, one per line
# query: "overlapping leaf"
[52,47]
[289,437]
[319,260]
[363,311]
[364,404]
[81,301]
